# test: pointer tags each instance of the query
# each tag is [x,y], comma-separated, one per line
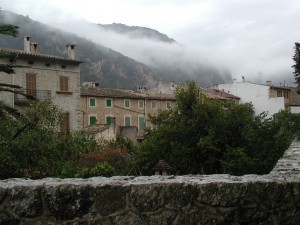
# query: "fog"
[254,39]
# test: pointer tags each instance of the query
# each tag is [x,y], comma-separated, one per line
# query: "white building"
[264,98]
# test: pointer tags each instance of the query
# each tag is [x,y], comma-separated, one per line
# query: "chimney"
[27,44]
[33,48]
[269,83]
[71,51]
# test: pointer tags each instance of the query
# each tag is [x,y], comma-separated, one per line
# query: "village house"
[121,107]
[264,97]
[45,77]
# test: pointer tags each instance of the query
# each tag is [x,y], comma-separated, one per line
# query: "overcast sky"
[250,37]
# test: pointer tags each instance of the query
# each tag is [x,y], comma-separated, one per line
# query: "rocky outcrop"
[214,199]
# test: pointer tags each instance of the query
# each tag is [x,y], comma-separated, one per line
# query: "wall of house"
[107,134]
[47,78]
[257,94]
[119,111]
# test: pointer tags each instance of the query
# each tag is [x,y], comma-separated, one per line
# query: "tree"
[200,135]
[296,66]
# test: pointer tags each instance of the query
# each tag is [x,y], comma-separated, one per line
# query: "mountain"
[137,32]
[146,54]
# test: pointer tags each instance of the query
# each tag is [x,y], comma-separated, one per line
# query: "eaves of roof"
[119,93]
[37,55]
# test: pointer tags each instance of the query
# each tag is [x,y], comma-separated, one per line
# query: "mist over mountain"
[136,32]
[117,55]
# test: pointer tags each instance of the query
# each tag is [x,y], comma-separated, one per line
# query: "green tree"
[200,135]
[296,66]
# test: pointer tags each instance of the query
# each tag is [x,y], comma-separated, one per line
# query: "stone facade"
[47,71]
[123,103]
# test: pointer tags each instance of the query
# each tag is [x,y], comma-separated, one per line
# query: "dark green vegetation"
[201,136]
[31,146]
[296,67]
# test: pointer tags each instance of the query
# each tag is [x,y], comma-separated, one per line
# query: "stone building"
[121,107]
[45,77]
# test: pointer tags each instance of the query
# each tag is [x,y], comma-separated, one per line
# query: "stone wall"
[156,200]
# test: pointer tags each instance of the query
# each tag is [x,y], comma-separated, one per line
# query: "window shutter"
[127,121]
[64,86]
[31,84]
[92,120]
[65,122]
[108,120]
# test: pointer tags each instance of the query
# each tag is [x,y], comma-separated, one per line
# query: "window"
[286,94]
[110,119]
[153,104]
[141,122]
[31,84]
[279,94]
[127,120]
[108,102]
[92,102]
[92,120]
[168,105]
[65,122]
[64,84]
[127,103]
[141,104]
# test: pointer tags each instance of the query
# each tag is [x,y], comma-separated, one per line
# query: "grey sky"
[250,37]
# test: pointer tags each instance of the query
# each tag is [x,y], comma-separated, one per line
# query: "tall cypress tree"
[296,67]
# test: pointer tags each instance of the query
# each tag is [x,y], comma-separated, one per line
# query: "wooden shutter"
[92,120]
[127,121]
[108,120]
[65,122]
[31,84]
[141,122]
[64,84]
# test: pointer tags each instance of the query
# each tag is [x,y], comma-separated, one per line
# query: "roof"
[95,128]
[253,83]
[122,93]
[215,93]
[30,54]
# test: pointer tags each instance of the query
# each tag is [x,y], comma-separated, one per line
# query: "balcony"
[20,99]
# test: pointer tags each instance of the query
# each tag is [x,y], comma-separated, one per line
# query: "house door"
[31,84]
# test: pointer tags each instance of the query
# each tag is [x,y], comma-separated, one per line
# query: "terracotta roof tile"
[95,128]
[215,93]
[23,53]
[122,93]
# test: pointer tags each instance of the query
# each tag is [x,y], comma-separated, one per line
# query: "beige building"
[121,107]
[45,77]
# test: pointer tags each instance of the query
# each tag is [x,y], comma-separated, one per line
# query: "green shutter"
[153,104]
[127,103]
[92,120]
[108,102]
[108,120]
[141,122]
[141,104]
[92,102]
[127,121]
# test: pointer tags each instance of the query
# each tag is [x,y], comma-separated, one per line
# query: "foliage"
[116,153]
[8,29]
[296,66]
[101,169]
[33,147]
[200,135]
